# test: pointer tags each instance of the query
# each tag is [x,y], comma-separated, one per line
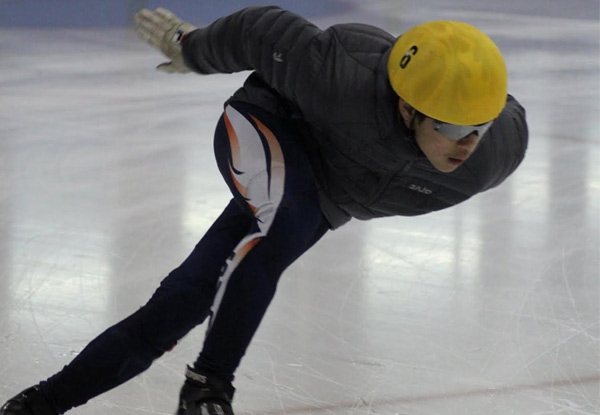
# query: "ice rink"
[107,181]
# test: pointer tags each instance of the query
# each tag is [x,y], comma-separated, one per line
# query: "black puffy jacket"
[334,85]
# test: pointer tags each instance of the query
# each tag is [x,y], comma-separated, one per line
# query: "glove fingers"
[148,27]
[147,32]
[143,33]
[152,20]
[143,23]
[140,14]
[165,14]
[144,15]
[164,18]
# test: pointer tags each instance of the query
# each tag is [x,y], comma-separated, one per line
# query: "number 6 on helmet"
[449,71]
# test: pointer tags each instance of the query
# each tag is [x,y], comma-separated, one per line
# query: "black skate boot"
[204,395]
[29,402]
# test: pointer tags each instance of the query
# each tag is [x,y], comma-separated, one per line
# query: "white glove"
[164,31]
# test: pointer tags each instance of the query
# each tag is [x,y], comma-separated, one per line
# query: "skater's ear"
[407,112]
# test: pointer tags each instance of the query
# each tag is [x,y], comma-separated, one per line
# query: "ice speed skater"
[347,122]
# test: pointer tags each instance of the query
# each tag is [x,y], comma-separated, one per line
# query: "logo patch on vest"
[420,189]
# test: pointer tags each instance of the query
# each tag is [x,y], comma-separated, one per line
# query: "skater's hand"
[165,32]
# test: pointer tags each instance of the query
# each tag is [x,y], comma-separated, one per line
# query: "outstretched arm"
[265,39]
[283,48]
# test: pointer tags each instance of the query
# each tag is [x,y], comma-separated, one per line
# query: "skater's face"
[445,154]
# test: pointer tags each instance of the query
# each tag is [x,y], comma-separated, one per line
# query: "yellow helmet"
[449,71]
